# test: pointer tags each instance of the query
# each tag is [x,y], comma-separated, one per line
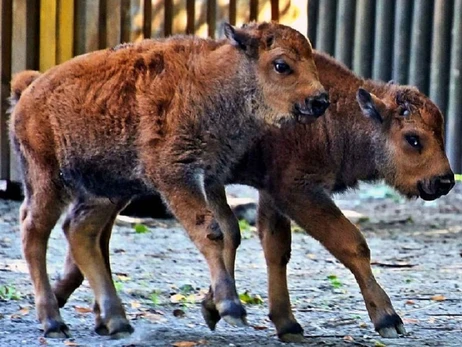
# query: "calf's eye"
[282,67]
[414,141]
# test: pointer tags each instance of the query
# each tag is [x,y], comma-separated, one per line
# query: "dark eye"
[404,112]
[414,141]
[282,67]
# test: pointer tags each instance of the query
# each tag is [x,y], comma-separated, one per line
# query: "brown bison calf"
[400,141]
[171,115]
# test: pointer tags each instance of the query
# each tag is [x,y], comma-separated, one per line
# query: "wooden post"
[6,31]
[147,18]
[345,31]
[383,46]
[419,64]
[65,31]
[48,34]
[87,26]
[325,39]
[364,29]
[113,20]
[232,12]
[212,17]
[402,39]
[253,10]
[440,56]
[454,124]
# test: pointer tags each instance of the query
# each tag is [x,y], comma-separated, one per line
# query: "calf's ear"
[238,37]
[370,105]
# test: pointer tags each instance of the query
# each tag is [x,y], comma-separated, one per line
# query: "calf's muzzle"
[311,108]
[436,186]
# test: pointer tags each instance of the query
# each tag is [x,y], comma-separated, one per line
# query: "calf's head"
[285,70]
[412,130]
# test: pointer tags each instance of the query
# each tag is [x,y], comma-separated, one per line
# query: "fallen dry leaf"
[70,343]
[438,298]
[259,327]
[177,298]
[410,321]
[410,302]
[184,344]
[348,338]
[42,340]
[135,304]
[24,311]
[82,310]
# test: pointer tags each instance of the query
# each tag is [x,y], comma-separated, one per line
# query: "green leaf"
[250,299]
[141,228]
[334,281]
[186,289]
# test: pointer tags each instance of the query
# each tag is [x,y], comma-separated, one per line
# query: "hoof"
[391,326]
[232,313]
[210,313]
[56,330]
[116,328]
[291,332]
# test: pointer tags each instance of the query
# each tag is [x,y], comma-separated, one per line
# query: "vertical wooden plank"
[344,34]
[190,16]
[147,20]
[383,45]
[275,10]
[325,39]
[364,39]
[313,7]
[454,124]
[87,26]
[419,63]
[125,21]
[211,17]
[440,56]
[232,12]
[6,24]
[65,31]
[113,17]
[253,10]
[402,39]
[47,34]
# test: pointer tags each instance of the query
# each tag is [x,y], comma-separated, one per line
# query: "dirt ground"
[416,254]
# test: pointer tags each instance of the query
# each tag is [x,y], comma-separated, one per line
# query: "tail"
[20,82]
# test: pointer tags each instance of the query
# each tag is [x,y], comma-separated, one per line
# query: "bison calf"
[381,132]
[169,115]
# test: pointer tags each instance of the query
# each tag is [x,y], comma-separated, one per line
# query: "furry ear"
[237,37]
[370,105]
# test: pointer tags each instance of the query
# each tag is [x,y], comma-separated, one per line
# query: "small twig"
[396,265]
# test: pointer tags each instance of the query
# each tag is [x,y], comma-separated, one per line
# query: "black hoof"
[390,326]
[233,313]
[210,313]
[291,332]
[56,329]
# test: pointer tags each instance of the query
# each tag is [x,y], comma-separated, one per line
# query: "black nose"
[318,104]
[443,184]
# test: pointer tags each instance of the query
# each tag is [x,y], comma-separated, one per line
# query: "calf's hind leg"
[39,213]
[72,277]
[84,232]
[275,236]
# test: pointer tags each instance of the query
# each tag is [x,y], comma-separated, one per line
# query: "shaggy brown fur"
[172,116]
[296,172]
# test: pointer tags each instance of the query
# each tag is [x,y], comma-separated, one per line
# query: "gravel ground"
[416,254]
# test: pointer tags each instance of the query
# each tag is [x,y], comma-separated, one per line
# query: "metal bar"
[364,38]
[440,56]
[383,45]
[313,7]
[212,17]
[454,127]
[344,34]
[168,15]
[401,38]
[190,16]
[419,64]
[253,10]
[325,39]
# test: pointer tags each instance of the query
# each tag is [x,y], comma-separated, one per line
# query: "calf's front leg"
[322,219]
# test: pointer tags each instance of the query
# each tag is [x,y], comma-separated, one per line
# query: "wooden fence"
[414,42]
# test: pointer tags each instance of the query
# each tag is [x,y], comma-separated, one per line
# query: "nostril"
[445,183]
